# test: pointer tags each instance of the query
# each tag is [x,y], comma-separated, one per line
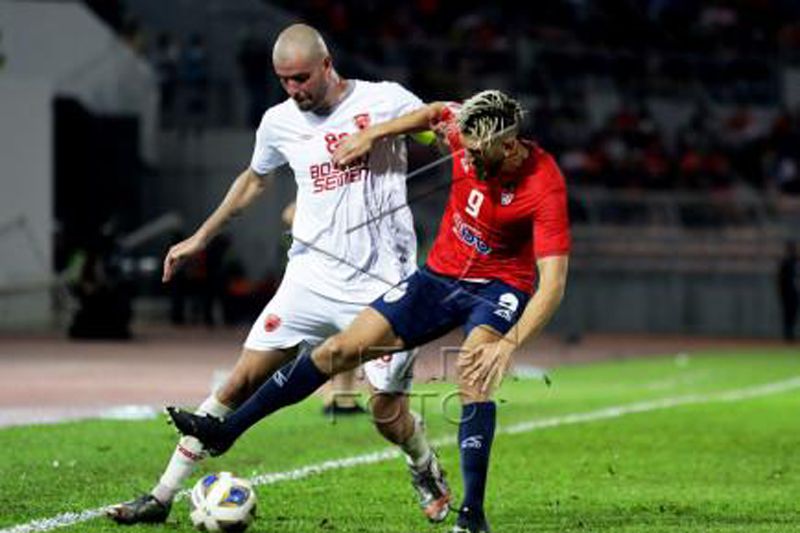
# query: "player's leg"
[395,421]
[496,310]
[368,337]
[390,378]
[250,371]
[252,368]
[391,415]
[272,341]
[294,382]
[417,311]
[390,375]
[475,436]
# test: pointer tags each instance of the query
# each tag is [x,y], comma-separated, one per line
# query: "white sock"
[416,447]
[188,453]
[213,407]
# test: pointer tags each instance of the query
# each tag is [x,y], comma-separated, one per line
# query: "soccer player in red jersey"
[505,225]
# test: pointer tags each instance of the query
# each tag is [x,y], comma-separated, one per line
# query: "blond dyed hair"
[489,117]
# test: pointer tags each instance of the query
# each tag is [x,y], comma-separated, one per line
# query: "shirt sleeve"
[266,156]
[551,234]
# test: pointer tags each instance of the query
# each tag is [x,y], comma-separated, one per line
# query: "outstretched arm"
[358,144]
[245,188]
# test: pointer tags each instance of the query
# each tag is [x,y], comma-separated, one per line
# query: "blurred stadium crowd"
[709,153]
[722,51]
[722,59]
[727,46]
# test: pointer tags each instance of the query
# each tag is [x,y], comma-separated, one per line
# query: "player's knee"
[334,355]
[472,393]
[391,417]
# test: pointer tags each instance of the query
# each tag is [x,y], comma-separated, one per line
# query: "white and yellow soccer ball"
[223,502]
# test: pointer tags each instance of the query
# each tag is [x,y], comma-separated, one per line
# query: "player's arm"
[545,302]
[488,363]
[244,189]
[551,244]
[358,144]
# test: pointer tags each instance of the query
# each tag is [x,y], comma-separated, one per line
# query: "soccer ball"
[222,502]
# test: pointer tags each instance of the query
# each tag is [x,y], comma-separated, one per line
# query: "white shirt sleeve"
[404,100]
[266,156]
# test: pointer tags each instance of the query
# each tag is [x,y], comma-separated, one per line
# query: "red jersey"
[499,227]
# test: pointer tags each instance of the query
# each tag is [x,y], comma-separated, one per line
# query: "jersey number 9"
[474,202]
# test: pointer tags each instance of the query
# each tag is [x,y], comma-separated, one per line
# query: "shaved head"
[305,69]
[299,43]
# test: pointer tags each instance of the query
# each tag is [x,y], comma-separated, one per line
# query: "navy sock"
[292,383]
[475,436]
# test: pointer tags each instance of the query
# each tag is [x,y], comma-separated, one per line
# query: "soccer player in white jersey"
[333,272]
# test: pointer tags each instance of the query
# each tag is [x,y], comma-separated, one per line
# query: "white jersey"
[353,234]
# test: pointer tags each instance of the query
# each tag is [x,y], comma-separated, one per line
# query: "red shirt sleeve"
[551,235]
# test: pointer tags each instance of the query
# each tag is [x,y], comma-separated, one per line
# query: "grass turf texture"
[710,467]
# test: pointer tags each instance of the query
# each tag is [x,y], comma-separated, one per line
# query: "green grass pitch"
[703,461]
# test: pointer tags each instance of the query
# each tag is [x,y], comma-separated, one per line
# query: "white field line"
[736,395]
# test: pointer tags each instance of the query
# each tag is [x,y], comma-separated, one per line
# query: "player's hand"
[443,130]
[178,253]
[486,365]
[352,148]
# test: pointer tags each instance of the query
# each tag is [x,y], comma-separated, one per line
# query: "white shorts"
[297,315]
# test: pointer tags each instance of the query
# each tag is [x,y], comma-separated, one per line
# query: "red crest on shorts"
[272,323]
[362,121]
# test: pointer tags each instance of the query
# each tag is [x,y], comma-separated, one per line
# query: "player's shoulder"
[380,87]
[543,168]
[544,161]
[384,93]
[539,154]
[278,111]
[275,116]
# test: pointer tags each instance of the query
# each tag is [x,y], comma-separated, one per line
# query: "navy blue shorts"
[426,305]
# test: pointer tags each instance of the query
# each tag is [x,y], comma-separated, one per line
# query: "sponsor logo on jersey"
[272,322]
[469,235]
[326,177]
[333,140]
[362,121]
[474,442]
[507,306]
[395,293]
